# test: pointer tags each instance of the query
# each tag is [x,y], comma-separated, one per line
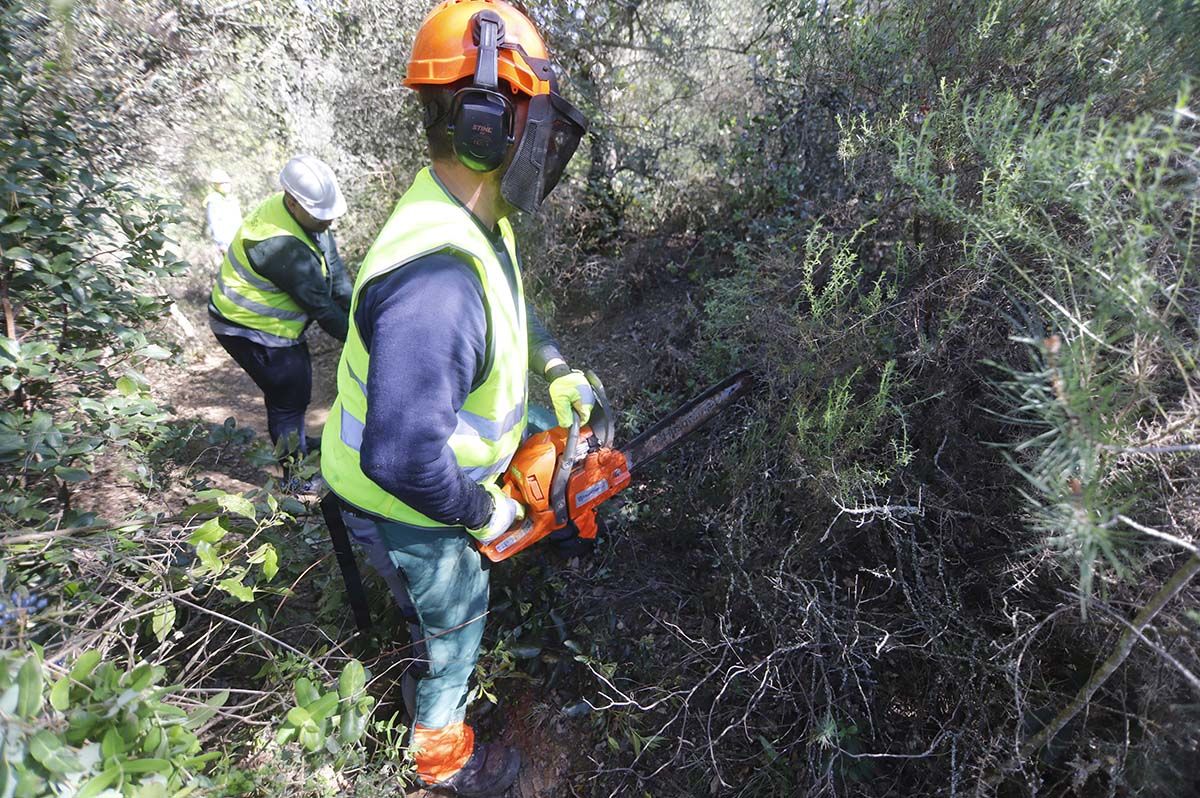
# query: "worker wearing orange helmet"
[433,379]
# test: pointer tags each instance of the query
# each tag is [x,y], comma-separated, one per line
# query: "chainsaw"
[563,474]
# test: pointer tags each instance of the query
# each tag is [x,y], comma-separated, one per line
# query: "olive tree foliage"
[244,85]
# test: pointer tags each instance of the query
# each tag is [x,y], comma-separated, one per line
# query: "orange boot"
[448,761]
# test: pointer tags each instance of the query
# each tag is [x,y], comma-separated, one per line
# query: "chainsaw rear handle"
[562,474]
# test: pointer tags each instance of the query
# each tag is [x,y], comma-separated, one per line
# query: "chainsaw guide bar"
[685,420]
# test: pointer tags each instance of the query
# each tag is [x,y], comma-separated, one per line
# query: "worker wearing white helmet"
[281,272]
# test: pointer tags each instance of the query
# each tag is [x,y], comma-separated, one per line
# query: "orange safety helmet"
[445,49]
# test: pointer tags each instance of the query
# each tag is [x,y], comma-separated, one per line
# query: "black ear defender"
[481,118]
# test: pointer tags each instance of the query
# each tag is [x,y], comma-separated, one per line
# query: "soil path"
[216,388]
[212,388]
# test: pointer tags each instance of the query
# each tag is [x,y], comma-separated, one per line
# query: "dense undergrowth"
[946,548]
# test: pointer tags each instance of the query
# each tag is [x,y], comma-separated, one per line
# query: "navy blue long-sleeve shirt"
[425,328]
[288,263]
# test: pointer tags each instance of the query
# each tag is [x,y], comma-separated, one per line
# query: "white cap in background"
[219,175]
[311,182]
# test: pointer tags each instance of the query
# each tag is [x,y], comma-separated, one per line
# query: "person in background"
[280,273]
[221,210]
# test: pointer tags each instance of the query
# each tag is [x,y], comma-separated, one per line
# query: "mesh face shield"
[552,133]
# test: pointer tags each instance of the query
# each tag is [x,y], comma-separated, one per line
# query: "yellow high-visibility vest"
[492,420]
[245,297]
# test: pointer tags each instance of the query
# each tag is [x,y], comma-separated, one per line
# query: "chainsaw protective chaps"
[552,133]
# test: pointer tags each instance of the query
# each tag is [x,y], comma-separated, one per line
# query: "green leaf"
[60,694]
[111,745]
[29,680]
[146,766]
[155,352]
[306,692]
[287,734]
[199,717]
[197,761]
[9,698]
[143,676]
[351,726]
[270,565]
[209,557]
[266,555]
[163,621]
[97,784]
[526,652]
[768,749]
[210,531]
[127,386]
[152,740]
[17,253]
[298,716]
[47,749]
[81,726]
[84,666]
[8,779]
[311,737]
[156,789]
[71,474]
[15,226]
[234,587]
[323,707]
[352,680]
[238,505]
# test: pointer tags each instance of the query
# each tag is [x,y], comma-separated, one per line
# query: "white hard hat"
[311,182]
[219,176]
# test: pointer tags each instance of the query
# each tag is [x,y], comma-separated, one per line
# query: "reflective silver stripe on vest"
[480,473]
[354,377]
[258,307]
[257,336]
[352,435]
[470,424]
[249,276]
[352,431]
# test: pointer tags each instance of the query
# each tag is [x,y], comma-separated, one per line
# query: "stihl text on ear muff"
[481,118]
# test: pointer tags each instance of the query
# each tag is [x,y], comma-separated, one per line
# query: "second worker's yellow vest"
[245,297]
[491,421]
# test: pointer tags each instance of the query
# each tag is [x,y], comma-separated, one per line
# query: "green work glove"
[569,388]
[504,512]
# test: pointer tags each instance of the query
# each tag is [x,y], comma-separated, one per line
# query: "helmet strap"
[488,34]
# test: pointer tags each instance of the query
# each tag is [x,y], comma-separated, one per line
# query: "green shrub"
[1089,224]
[82,259]
[96,729]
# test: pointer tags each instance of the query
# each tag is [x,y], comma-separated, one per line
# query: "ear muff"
[481,118]
[482,128]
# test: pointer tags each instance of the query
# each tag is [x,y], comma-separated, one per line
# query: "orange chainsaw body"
[599,473]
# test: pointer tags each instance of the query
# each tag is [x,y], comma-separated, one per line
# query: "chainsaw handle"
[601,421]
[562,474]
